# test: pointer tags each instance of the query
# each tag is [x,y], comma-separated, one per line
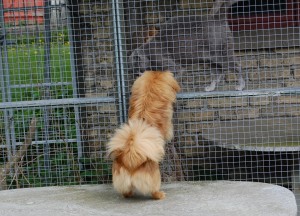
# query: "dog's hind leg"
[241,82]
[238,71]
[147,180]
[230,62]
[128,194]
[216,78]
[158,195]
[122,180]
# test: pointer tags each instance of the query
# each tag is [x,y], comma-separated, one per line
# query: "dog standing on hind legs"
[136,150]
[137,147]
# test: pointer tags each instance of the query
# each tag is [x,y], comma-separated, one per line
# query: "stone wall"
[99,120]
[203,126]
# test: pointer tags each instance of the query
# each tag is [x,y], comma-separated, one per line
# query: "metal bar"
[121,58]
[66,134]
[55,102]
[40,85]
[3,91]
[8,115]
[260,92]
[66,120]
[117,59]
[78,101]
[42,142]
[9,99]
[30,8]
[47,78]
[75,90]
[261,149]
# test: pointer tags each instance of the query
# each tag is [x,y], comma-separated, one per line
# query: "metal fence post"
[47,79]
[116,11]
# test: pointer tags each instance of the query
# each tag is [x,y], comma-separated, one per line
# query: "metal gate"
[59,108]
[41,128]
[249,135]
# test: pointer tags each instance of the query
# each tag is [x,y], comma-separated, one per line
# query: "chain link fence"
[66,70]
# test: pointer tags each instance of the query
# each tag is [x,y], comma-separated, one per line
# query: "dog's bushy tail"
[136,142]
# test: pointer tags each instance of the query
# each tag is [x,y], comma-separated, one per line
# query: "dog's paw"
[211,87]
[240,86]
[128,195]
[158,195]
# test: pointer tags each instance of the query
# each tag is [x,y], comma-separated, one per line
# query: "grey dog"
[190,40]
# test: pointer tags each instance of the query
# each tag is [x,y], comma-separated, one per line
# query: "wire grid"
[48,108]
[249,135]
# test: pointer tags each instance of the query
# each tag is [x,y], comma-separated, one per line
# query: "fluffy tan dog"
[137,147]
[152,98]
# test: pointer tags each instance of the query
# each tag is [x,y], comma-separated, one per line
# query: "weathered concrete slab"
[274,134]
[266,38]
[198,198]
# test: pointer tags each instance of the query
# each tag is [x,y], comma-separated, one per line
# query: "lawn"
[56,163]
[26,66]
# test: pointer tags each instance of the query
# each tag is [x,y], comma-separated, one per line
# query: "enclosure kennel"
[65,81]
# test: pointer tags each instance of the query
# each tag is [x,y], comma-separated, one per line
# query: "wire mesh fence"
[67,68]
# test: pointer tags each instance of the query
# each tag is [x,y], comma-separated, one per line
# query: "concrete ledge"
[185,198]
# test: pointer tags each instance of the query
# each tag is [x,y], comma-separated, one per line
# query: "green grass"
[59,36]
[27,66]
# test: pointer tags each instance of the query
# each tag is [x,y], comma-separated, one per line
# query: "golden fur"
[152,98]
[137,147]
[136,150]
